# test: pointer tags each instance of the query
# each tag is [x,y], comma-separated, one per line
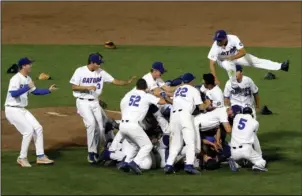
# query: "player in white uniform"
[242,92]
[227,50]
[134,107]
[87,85]
[212,91]
[185,100]
[20,85]
[244,137]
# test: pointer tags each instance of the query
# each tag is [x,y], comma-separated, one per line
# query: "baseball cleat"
[256,168]
[23,162]
[44,160]
[91,158]
[189,169]
[135,168]
[169,169]
[233,165]
[123,166]
[285,66]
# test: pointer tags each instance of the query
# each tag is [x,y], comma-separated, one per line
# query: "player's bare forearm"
[227,102]
[170,89]
[240,54]
[168,99]
[204,105]
[121,82]
[227,127]
[156,92]
[79,88]
[257,100]
[213,68]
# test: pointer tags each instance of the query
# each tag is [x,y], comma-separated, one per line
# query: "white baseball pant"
[182,130]
[247,152]
[139,147]
[248,60]
[91,112]
[29,128]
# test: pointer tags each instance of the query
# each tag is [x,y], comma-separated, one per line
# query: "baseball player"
[244,136]
[20,85]
[185,99]
[242,92]
[212,91]
[134,107]
[87,85]
[227,50]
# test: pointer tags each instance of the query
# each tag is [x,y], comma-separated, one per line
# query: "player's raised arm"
[212,56]
[227,94]
[122,82]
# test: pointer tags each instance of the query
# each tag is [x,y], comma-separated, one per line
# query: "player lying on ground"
[242,92]
[87,85]
[244,141]
[228,51]
[20,85]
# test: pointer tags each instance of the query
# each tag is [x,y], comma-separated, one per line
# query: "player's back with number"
[244,128]
[186,98]
[135,104]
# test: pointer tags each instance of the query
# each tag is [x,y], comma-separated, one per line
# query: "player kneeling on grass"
[134,107]
[20,85]
[185,99]
[244,136]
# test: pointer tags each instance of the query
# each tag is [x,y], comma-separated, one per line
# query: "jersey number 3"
[134,100]
[181,92]
[241,124]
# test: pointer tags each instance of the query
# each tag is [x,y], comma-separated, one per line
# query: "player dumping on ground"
[87,85]
[242,92]
[244,141]
[20,85]
[185,99]
[134,107]
[228,51]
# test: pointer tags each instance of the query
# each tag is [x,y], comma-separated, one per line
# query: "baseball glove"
[269,76]
[44,76]
[110,45]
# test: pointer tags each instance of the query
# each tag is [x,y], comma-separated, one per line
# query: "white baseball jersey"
[221,52]
[216,96]
[153,83]
[241,93]
[135,105]
[15,83]
[211,120]
[244,129]
[84,77]
[186,98]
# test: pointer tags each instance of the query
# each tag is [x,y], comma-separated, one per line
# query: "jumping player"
[87,85]
[227,50]
[20,85]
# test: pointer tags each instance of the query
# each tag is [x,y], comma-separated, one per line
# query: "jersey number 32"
[134,100]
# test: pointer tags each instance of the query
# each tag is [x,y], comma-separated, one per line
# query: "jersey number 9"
[181,92]
[134,100]
[241,124]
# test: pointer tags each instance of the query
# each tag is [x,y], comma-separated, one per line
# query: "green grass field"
[279,134]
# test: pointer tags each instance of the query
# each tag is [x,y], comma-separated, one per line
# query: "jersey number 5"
[134,100]
[181,92]
[241,124]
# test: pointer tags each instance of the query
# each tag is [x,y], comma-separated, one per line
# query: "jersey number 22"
[134,100]
[241,124]
[181,92]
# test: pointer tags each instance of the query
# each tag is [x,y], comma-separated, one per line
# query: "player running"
[87,85]
[20,85]
[244,141]
[242,92]
[227,50]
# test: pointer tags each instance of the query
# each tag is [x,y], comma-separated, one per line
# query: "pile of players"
[177,124]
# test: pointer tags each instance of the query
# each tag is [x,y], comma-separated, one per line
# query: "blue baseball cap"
[24,61]
[95,58]
[176,82]
[220,35]
[239,68]
[159,66]
[237,109]
[210,139]
[187,77]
